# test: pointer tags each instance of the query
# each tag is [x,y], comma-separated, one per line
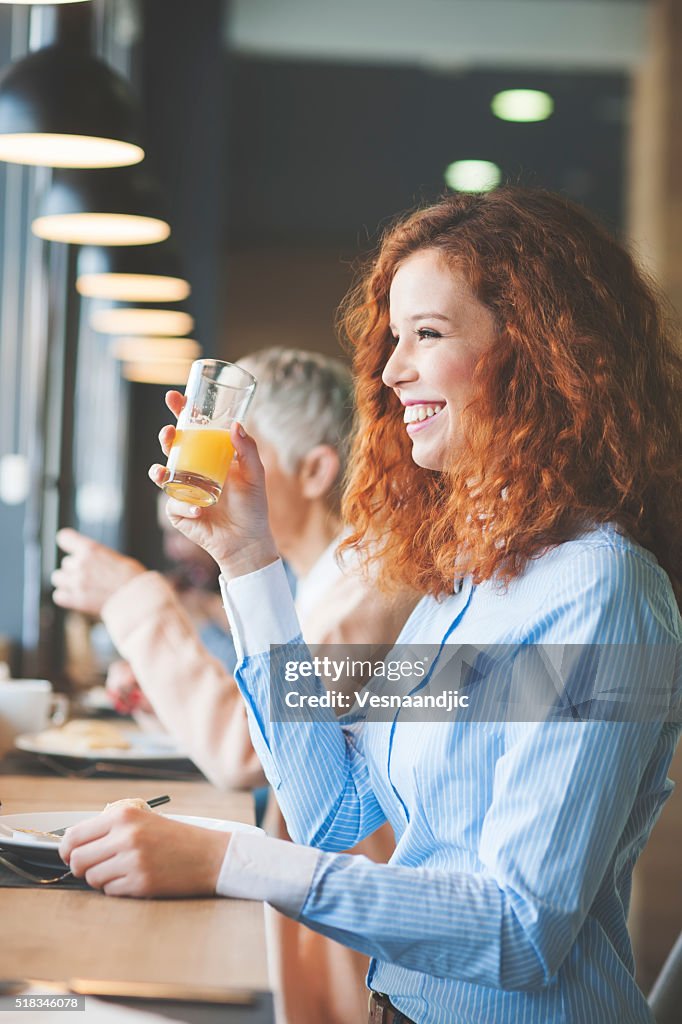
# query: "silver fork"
[29,876]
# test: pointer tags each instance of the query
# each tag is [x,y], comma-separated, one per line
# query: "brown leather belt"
[381,1011]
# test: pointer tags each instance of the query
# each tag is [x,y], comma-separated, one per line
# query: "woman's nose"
[399,369]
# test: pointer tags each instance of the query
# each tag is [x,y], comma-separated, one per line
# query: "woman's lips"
[415,428]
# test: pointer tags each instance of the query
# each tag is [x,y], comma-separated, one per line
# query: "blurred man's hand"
[124,690]
[90,574]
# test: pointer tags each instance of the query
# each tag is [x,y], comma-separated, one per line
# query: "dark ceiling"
[323,153]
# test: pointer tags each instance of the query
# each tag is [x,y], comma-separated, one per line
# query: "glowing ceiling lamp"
[171,371]
[131,274]
[522,105]
[472,176]
[145,349]
[61,107]
[166,323]
[15,479]
[101,207]
[133,287]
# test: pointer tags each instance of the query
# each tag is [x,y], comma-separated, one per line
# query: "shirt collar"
[322,575]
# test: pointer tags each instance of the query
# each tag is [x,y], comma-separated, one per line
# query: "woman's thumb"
[245,447]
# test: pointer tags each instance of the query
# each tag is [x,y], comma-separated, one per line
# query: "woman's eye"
[426,332]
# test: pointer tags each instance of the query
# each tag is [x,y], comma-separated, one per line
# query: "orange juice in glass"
[217,393]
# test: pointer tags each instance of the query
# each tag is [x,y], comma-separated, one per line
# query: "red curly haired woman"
[518,460]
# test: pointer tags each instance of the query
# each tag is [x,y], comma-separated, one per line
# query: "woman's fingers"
[247,453]
[175,402]
[166,438]
[86,857]
[87,831]
[158,474]
[174,509]
[181,510]
[105,874]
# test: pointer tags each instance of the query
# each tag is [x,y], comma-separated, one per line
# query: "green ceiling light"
[472,176]
[62,107]
[522,105]
[131,274]
[118,206]
[166,323]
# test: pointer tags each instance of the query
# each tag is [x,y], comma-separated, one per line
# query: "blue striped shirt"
[507,896]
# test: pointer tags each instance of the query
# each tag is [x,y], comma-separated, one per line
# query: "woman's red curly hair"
[576,416]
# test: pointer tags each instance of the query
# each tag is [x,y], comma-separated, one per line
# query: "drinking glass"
[216,394]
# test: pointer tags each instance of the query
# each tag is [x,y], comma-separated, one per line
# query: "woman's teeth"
[417,413]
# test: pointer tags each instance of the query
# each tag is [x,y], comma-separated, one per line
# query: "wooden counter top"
[59,935]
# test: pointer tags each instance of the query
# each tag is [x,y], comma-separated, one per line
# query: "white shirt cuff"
[260,609]
[273,870]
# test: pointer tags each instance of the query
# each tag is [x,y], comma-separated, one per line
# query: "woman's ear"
[318,472]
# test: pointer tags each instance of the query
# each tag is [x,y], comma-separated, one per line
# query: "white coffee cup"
[27,706]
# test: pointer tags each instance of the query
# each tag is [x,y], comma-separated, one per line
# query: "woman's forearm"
[315,766]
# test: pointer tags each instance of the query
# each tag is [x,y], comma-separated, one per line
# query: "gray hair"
[302,399]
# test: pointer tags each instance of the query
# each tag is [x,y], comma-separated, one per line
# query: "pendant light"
[62,107]
[118,206]
[131,274]
[132,320]
[148,349]
[171,371]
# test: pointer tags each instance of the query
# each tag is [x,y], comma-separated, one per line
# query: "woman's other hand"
[126,851]
[234,531]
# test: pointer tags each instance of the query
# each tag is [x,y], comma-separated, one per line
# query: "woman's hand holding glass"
[235,531]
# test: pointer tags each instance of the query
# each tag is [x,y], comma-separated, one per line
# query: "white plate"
[143,747]
[44,851]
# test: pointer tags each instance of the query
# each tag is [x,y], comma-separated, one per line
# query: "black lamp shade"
[80,110]
[161,259]
[115,206]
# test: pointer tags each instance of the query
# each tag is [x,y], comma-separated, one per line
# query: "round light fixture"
[101,207]
[472,176]
[131,274]
[522,105]
[133,287]
[60,107]
[15,479]
[166,323]
[144,349]
[171,371]
[98,503]
[100,229]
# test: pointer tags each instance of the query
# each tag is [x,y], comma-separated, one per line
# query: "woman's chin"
[426,459]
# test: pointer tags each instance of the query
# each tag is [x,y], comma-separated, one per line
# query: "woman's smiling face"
[441,330]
